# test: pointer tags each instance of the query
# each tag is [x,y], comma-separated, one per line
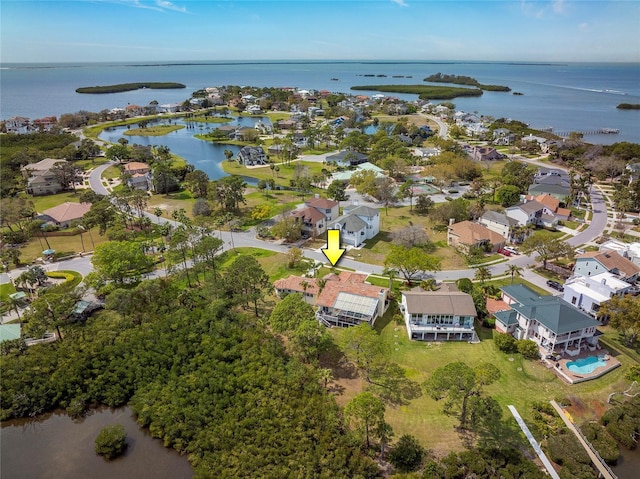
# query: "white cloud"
[558,6]
[170,6]
[402,3]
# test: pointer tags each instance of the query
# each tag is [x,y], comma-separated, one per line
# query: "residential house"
[589,293]
[40,176]
[499,223]
[553,181]
[531,213]
[346,175]
[329,208]
[307,287]
[65,214]
[592,263]
[557,191]
[349,301]
[134,110]
[502,136]
[17,124]
[467,234]
[252,155]
[443,315]
[631,251]
[139,176]
[357,224]
[348,158]
[552,205]
[633,170]
[312,222]
[554,324]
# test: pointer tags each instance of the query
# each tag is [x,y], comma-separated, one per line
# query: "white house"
[531,213]
[592,263]
[589,292]
[357,224]
[443,315]
[498,223]
[550,321]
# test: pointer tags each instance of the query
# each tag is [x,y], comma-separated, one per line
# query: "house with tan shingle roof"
[552,204]
[66,213]
[592,263]
[443,315]
[40,176]
[467,234]
[311,221]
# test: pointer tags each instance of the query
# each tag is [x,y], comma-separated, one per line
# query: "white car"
[511,250]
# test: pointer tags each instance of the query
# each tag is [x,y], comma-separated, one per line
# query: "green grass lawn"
[113,172]
[45,202]
[158,130]
[273,263]
[522,382]
[62,244]
[265,173]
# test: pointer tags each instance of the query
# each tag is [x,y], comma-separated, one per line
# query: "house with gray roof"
[559,192]
[348,158]
[499,223]
[443,315]
[357,224]
[252,155]
[554,324]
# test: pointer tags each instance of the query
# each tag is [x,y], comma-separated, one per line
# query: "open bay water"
[564,96]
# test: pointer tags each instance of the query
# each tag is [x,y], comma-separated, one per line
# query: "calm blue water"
[586,365]
[566,97]
[203,155]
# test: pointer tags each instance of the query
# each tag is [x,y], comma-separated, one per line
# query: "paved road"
[95,178]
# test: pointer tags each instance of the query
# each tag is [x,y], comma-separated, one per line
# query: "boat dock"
[599,131]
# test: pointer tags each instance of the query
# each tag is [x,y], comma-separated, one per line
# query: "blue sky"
[161,30]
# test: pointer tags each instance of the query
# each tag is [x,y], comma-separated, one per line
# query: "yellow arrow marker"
[333,252]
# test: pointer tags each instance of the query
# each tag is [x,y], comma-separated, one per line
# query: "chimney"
[451,221]
[317,195]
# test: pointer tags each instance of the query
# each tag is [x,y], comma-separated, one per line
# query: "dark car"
[555,285]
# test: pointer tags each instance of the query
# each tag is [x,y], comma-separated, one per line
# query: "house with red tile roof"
[342,300]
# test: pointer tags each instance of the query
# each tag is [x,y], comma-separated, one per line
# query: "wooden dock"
[599,131]
[603,469]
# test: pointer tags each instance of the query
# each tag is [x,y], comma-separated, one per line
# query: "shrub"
[489,322]
[465,285]
[603,442]
[201,208]
[528,348]
[505,342]
[112,441]
[407,455]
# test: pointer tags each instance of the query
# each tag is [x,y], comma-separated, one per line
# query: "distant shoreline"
[121,87]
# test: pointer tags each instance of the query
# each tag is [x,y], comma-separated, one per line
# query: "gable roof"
[551,189]
[309,214]
[470,233]
[135,165]
[349,222]
[67,211]
[612,260]
[549,201]
[455,303]
[324,203]
[294,283]
[361,210]
[528,207]
[332,289]
[499,218]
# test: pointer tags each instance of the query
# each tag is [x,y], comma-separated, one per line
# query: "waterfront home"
[41,178]
[443,315]
[252,155]
[138,175]
[485,153]
[589,293]
[467,234]
[554,324]
[592,263]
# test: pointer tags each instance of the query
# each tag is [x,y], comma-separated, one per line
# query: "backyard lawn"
[522,382]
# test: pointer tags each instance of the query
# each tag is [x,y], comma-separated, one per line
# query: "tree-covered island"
[424,92]
[464,80]
[130,87]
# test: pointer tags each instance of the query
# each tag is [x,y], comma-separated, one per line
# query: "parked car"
[511,249]
[580,251]
[555,285]
[504,251]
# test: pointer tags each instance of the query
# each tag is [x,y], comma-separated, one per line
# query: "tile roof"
[495,305]
[332,289]
[612,260]
[67,211]
[135,165]
[470,233]
[438,302]
[549,201]
[294,283]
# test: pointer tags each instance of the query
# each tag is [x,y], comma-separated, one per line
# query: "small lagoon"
[203,155]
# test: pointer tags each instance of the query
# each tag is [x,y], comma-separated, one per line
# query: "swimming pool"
[586,365]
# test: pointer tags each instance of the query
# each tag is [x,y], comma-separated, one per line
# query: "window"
[573,300]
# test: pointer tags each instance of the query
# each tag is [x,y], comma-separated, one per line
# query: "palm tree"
[483,274]
[514,270]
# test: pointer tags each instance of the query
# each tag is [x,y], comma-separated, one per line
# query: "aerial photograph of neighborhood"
[320,239]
